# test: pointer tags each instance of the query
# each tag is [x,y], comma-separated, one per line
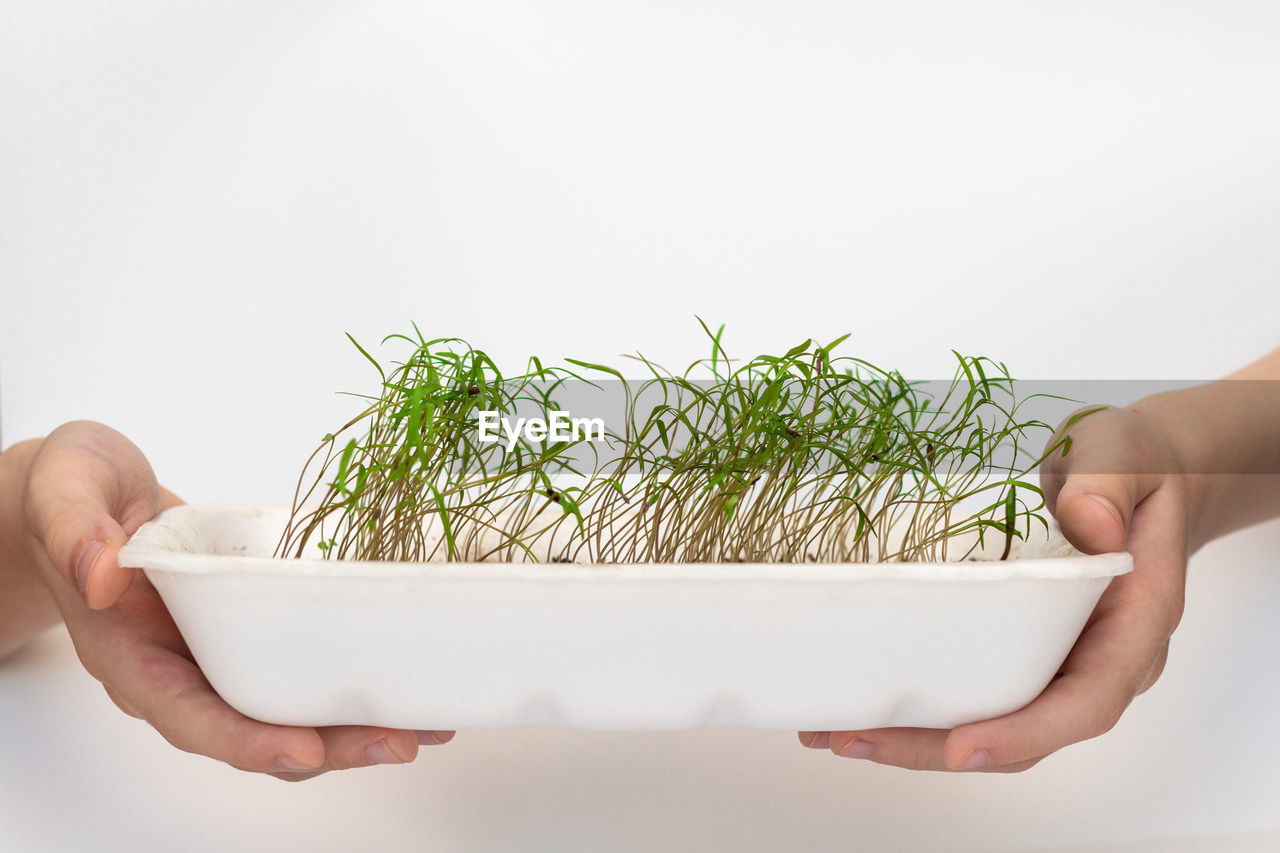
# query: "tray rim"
[142,552]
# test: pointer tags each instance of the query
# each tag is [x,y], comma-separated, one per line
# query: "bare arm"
[26,607]
[1227,436]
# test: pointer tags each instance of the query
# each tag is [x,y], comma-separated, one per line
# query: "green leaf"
[365,353]
[445,523]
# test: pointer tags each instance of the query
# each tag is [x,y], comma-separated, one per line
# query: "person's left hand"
[87,490]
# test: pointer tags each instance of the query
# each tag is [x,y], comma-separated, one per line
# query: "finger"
[433,737]
[172,694]
[286,776]
[122,704]
[1093,512]
[109,580]
[1114,659]
[180,704]
[1094,489]
[1157,669]
[911,749]
[362,746]
[89,489]
[328,734]
[82,540]
[815,740]
[348,747]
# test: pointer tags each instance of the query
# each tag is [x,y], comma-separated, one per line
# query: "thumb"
[1095,487]
[81,539]
[82,506]
[1094,511]
[99,576]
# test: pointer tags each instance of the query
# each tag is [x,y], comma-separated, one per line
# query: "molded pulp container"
[645,646]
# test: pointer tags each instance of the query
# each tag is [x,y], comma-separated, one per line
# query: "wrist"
[15,464]
[1177,444]
[1224,456]
[26,605]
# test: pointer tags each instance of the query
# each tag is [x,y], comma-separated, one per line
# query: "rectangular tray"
[623,647]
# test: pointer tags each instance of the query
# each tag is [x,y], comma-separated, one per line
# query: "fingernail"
[428,738]
[1110,507]
[84,565]
[380,753]
[858,748]
[288,762]
[975,758]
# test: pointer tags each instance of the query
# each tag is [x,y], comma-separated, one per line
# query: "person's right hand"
[1119,488]
[1122,487]
[87,490]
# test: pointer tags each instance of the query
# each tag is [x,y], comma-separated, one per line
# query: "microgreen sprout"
[800,457]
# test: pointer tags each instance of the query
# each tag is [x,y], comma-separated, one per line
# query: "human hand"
[1119,488]
[87,490]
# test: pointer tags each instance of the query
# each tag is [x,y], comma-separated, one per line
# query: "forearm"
[1226,435]
[26,607]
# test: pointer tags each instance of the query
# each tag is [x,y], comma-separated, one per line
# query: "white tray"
[492,645]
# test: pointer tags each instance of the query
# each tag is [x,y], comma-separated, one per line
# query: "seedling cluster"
[805,456]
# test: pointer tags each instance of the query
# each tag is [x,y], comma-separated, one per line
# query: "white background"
[196,201]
